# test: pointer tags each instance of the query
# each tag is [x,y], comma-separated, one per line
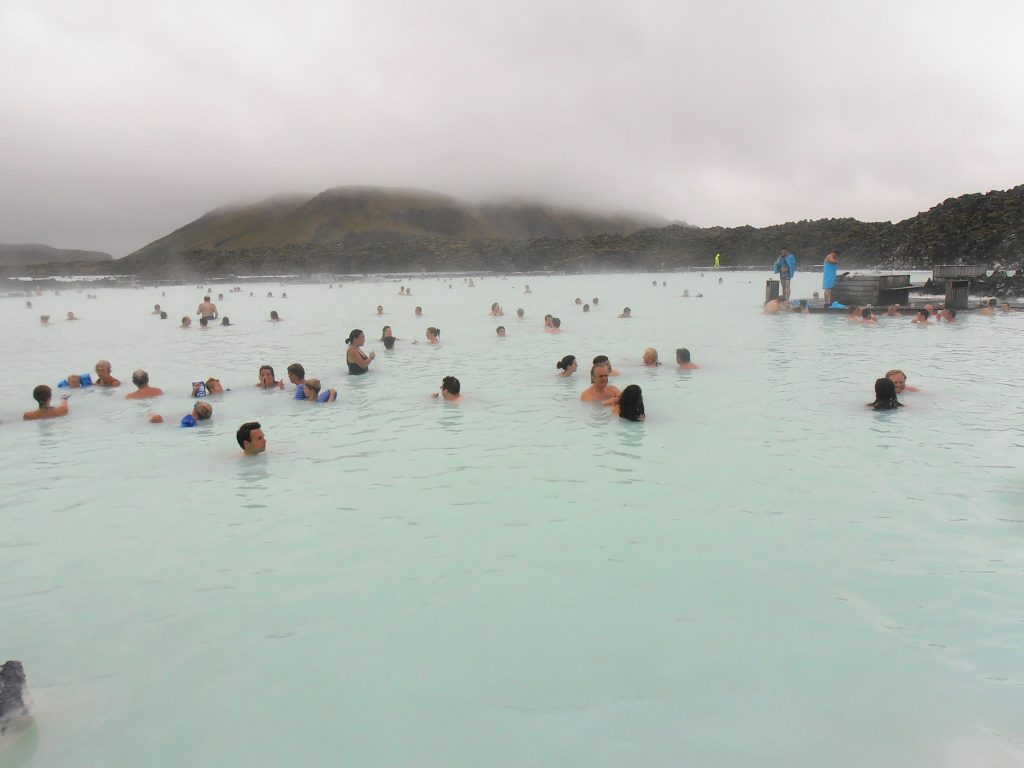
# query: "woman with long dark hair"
[885,396]
[358,361]
[631,403]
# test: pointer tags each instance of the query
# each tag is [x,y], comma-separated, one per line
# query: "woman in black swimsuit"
[358,361]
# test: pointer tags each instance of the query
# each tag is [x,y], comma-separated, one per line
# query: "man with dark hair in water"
[42,395]
[251,439]
[297,376]
[450,390]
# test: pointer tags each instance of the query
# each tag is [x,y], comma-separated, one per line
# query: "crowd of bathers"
[626,403]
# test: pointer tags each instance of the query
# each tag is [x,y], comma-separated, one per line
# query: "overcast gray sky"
[121,121]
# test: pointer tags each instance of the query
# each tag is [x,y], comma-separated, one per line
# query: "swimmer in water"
[683,359]
[433,335]
[42,395]
[357,360]
[156,310]
[527,290]
[603,360]
[630,404]
[500,330]
[204,324]
[547,320]
[274,317]
[556,325]
[211,386]
[225,321]
[297,376]
[142,389]
[520,313]
[418,312]
[389,342]
[650,357]
[567,365]
[626,312]
[251,439]
[988,309]
[867,316]
[885,396]
[71,316]
[893,311]
[315,395]
[380,309]
[44,319]
[899,379]
[207,310]
[266,378]
[1005,308]
[200,412]
[922,318]
[949,315]
[600,391]
[496,310]
[103,375]
[186,322]
[385,332]
[451,390]
[773,306]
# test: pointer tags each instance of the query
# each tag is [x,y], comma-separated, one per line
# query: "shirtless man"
[600,391]
[922,318]
[450,390]
[207,310]
[103,375]
[683,359]
[1005,308]
[774,306]
[251,439]
[988,309]
[899,378]
[141,380]
[42,395]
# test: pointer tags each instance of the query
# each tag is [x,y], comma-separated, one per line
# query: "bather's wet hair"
[451,384]
[389,342]
[42,394]
[312,385]
[885,395]
[631,403]
[140,378]
[565,362]
[296,369]
[353,335]
[682,355]
[244,433]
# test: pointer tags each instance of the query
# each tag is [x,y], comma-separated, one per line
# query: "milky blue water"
[764,573]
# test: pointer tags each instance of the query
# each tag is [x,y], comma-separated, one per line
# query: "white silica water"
[765,572]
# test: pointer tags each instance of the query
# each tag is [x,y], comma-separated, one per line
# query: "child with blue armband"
[200,412]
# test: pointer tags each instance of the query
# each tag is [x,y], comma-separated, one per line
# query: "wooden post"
[771,290]
[957,292]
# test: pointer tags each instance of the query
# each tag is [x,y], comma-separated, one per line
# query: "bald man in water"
[141,380]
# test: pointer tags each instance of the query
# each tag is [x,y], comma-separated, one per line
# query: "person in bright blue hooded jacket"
[785,268]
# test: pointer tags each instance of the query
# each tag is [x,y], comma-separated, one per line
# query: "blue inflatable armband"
[188,420]
[86,379]
[837,305]
[324,396]
[63,384]
[300,392]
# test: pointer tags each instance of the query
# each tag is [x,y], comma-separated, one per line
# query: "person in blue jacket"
[828,274]
[785,268]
